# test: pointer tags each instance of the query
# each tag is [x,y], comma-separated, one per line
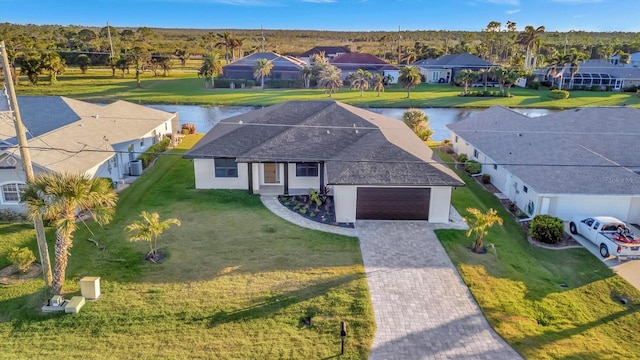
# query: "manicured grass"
[520,293]
[182,87]
[235,285]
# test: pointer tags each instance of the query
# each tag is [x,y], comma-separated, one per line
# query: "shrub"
[595,88]
[608,88]
[472,167]
[632,88]
[284,84]
[553,87]
[547,229]
[22,258]
[559,94]
[153,152]
[10,215]
[188,129]
[463,158]
[226,83]
[486,178]
[535,85]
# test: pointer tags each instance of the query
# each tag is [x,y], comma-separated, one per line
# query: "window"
[226,168]
[142,142]
[495,167]
[456,138]
[11,192]
[475,153]
[524,188]
[306,169]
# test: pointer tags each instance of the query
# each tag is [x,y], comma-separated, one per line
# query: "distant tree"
[123,64]
[530,39]
[378,83]
[112,62]
[361,80]
[225,40]
[211,67]
[261,69]
[83,62]
[466,77]
[87,35]
[511,76]
[307,74]
[417,121]
[330,78]
[183,55]
[32,67]
[409,78]
[53,64]
[479,225]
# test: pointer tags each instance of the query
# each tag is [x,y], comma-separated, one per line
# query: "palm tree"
[572,63]
[378,83]
[510,77]
[409,78]
[499,74]
[361,80]
[330,78]
[58,197]
[529,38]
[417,121]
[83,62]
[211,67]
[465,77]
[479,225]
[484,72]
[224,40]
[149,229]
[261,69]
[307,74]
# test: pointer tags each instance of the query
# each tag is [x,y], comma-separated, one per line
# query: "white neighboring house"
[563,164]
[64,134]
[375,166]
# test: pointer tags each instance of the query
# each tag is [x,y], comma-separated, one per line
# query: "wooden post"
[28,168]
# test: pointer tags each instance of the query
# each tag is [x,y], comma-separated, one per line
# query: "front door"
[271,173]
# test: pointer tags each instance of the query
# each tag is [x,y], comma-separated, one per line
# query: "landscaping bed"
[305,206]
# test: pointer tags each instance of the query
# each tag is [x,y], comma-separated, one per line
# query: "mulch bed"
[303,206]
[11,275]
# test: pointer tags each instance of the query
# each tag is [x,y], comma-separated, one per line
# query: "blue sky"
[359,15]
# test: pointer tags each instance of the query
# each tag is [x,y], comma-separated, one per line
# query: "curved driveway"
[423,309]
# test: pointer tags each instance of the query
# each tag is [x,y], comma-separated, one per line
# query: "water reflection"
[205,117]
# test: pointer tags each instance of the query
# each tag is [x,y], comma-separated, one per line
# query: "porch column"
[250,176]
[286,178]
[321,170]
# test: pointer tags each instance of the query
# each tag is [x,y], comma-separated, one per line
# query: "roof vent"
[96,116]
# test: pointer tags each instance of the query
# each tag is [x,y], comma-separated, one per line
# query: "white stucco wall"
[205,176]
[634,210]
[440,204]
[302,182]
[566,206]
[345,202]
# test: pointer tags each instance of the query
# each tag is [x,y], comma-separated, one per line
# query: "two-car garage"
[392,203]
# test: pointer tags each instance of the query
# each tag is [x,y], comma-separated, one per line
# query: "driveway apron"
[423,309]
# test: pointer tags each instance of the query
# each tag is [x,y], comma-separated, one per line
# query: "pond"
[205,117]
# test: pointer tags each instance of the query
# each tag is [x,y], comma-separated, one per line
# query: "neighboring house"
[351,62]
[444,69]
[579,161]
[590,73]
[375,166]
[330,52]
[634,60]
[64,134]
[284,67]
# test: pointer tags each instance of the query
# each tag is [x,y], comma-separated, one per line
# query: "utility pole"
[43,249]
[399,44]
[262,30]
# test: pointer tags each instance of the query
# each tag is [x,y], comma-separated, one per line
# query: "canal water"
[205,117]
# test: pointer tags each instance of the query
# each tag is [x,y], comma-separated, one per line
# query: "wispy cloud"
[319,1]
[578,1]
[504,2]
[514,11]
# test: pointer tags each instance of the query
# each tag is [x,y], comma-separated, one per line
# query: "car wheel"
[572,228]
[604,251]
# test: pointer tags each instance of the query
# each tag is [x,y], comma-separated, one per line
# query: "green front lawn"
[235,285]
[186,88]
[521,295]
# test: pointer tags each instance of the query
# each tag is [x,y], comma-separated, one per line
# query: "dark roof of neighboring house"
[579,151]
[599,67]
[354,61]
[454,60]
[328,50]
[280,62]
[357,146]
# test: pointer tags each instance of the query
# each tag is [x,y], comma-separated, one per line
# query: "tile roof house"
[375,166]
[600,73]
[351,62]
[329,52]
[444,68]
[562,164]
[64,134]
[284,67]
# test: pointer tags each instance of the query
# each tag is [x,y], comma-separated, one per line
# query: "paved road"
[423,309]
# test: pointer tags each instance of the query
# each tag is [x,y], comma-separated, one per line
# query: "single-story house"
[64,134]
[374,166]
[329,52]
[634,60]
[590,73]
[284,67]
[351,62]
[443,69]
[576,162]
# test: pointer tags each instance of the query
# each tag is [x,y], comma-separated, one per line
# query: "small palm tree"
[211,67]
[261,69]
[149,229]
[479,225]
[58,197]
[465,77]
[330,78]
[361,80]
[378,83]
[409,78]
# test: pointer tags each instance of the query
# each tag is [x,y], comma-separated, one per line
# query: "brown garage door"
[393,204]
